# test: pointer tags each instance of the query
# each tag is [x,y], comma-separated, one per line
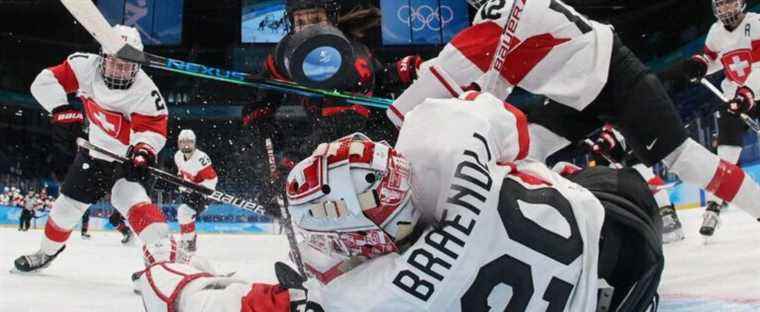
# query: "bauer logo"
[204,70]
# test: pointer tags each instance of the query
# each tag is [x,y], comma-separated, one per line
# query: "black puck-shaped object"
[319,56]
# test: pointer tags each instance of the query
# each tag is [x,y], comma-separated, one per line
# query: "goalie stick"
[748,120]
[173,179]
[90,17]
[285,220]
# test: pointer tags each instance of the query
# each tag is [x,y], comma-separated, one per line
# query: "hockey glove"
[141,157]
[604,144]
[684,72]
[743,102]
[66,123]
[407,68]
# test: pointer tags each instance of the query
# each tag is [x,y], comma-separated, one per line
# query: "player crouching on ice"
[194,166]
[454,218]
[127,116]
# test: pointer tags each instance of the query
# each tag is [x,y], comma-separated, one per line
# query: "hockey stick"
[173,179]
[748,120]
[88,15]
[285,219]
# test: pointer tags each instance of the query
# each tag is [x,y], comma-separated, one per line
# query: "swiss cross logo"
[738,65]
[112,123]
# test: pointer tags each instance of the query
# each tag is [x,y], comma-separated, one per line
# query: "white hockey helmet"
[186,141]
[729,12]
[118,73]
[352,201]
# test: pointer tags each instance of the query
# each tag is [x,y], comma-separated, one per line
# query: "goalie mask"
[351,200]
[186,141]
[119,74]
[729,12]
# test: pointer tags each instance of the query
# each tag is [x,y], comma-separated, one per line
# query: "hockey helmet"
[306,12]
[186,141]
[117,73]
[352,201]
[729,12]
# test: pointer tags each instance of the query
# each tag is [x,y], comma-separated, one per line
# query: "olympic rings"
[425,16]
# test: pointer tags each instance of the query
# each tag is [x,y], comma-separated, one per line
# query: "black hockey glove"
[66,122]
[743,102]
[141,157]
[605,143]
[685,72]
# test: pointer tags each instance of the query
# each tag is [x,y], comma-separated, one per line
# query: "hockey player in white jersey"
[452,219]
[732,46]
[127,116]
[195,166]
[589,76]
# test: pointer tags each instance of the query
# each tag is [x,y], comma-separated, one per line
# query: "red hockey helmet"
[352,201]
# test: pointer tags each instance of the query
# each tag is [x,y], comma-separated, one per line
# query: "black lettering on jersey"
[306,306]
[412,284]
[490,10]
[159,100]
[442,245]
[748,29]
[78,55]
[579,22]
[204,161]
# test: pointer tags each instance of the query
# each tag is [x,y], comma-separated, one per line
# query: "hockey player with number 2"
[127,116]
[195,166]
[454,218]
[590,78]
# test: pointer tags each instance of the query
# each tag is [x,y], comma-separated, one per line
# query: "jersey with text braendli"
[197,169]
[552,50]
[117,118]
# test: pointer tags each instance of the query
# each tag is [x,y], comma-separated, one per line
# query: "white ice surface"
[93,275]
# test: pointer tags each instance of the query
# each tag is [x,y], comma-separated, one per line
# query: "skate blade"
[32,272]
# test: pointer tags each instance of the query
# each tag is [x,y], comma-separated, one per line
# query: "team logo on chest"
[111,123]
[738,65]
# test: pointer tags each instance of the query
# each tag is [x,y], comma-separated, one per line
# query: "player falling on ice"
[590,77]
[611,143]
[127,116]
[194,166]
[732,45]
[452,219]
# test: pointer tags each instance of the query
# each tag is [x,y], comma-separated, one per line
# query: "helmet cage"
[729,12]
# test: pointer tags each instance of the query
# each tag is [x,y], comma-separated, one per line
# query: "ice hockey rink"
[93,275]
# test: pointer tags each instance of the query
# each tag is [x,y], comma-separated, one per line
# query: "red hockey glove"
[605,143]
[141,157]
[407,68]
[67,114]
[743,102]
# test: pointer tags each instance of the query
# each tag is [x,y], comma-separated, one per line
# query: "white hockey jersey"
[509,234]
[553,51]
[197,169]
[735,52]
[117,118]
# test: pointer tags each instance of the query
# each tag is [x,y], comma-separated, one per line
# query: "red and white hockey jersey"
[553,51]
[735,52]
[197,169]
[117,118]
[510,234]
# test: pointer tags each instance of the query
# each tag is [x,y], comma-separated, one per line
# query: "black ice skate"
[86,236]
[710,219]
[36,261]
[672,230]
[127,236]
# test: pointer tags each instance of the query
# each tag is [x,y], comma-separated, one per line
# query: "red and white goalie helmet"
[352,201]
[729,12]
[117,73]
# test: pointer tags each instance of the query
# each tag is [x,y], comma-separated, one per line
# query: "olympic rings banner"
[415,22]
